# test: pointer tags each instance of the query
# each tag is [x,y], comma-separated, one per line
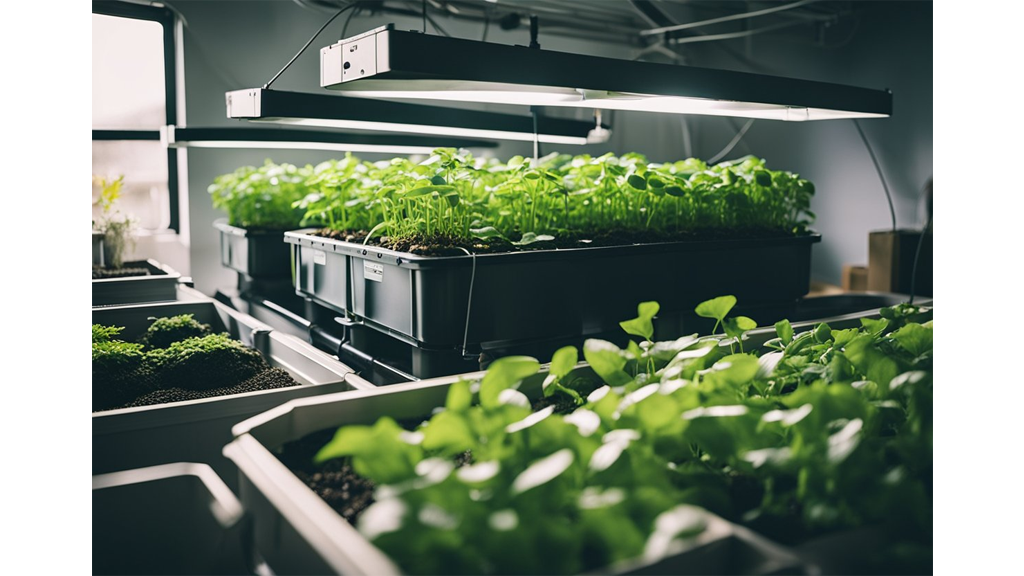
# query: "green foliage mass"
[452,194]
[120,371]
[825,431]
[101,333]
[175,352]
[263,197]
[212,361]
[165,331]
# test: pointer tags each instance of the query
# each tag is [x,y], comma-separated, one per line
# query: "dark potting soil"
[334,481]
[449,246]
[102,272]
[563,403]
[269,379]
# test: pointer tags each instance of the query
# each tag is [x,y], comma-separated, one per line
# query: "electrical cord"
[428,18]
[730,18]
[732,144]
[344,28]
[920,243]
[311,39]
[881,175]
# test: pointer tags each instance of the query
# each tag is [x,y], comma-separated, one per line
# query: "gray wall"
[240,44]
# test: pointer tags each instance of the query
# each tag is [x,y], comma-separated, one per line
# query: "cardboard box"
[891,261]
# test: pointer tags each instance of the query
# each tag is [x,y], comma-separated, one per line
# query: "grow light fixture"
[294,139]
[394,64]
[333,111]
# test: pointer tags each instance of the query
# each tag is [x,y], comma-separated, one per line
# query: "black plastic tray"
[258,254]
[541,294]
[160,286]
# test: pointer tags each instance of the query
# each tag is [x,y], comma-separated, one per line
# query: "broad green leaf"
[841,338]
[871,362]
[785,331]
[425,190]
[543,471]
[676,191]
[563,361]
[504,373]
[448,432]
[822,333]
[642,325]
[607,360]
[716,308]
[738,326]
[459,397]
[485,232]
[914,338]
[637,181]
[874,326]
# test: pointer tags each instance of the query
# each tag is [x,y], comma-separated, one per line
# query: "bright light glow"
[339,147]
[517,94]
[425,129]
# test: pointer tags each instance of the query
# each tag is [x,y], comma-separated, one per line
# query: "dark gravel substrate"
[266,380]
[101,273]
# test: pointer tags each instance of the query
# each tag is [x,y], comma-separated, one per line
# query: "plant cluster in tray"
[823,432]
[176,359]
[452,199]
[262,198]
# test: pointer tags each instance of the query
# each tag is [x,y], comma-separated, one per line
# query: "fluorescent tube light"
[333,111]
[293,139]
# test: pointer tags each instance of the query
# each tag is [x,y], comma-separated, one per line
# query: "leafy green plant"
[263,197]
[826,431]
[117,229]
[456,196]
[165,331]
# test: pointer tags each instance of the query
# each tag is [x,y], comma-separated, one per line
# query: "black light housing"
[334,111]
[393,64]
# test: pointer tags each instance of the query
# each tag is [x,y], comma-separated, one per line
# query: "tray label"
[319,257]
[373,271]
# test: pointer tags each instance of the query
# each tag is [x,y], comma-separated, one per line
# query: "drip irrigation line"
[469,302]
[732,144]
[881,175]
[310,41]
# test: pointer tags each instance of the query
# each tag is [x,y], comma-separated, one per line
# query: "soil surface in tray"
[266,380]
[338,484]
[449,246]
[102,272]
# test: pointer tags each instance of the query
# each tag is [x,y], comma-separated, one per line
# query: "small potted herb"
[259,204]
[116,281]
[112,232]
